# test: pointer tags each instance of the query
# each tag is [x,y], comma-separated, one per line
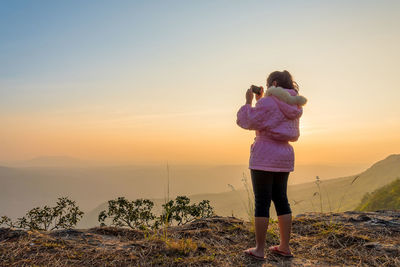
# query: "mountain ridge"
[24,188]
[338,194]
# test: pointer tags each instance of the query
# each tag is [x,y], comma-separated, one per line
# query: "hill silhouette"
[51,161]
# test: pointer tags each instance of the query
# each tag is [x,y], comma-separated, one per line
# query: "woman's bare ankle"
[259,250]
[284,248]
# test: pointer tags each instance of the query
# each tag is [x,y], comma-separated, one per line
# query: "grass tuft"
[181,246]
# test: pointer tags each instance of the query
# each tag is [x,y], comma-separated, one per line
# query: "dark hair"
[283,79]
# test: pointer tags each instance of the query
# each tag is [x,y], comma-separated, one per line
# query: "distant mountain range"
[339,194]
[24,187]
[302,173]
[50,161]
[42,180]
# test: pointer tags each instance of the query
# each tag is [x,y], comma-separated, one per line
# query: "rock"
[374,245]
[389,248]
[66,233]
[363,218]
[8,233]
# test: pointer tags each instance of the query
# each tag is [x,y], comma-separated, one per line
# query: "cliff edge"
[318,239]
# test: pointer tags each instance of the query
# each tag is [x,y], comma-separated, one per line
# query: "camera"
[257,89]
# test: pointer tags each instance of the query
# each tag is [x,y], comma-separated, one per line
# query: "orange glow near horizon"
[182,140]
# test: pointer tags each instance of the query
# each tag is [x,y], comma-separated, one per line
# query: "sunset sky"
[151,81]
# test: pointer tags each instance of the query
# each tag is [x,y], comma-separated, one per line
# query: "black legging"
[269,186]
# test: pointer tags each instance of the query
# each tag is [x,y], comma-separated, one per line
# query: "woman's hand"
[249,96]
[258,97]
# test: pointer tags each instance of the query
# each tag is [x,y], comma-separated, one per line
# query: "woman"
[275,118]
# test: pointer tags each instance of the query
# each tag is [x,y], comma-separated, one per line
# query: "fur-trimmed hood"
[288,101]
[288,96]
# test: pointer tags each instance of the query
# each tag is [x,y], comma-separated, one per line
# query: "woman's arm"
[254,118]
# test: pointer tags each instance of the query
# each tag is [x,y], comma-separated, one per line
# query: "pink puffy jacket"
[275,118]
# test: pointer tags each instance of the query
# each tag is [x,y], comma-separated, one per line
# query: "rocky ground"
[329,239]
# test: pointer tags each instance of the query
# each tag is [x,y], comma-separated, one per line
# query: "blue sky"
[47,42]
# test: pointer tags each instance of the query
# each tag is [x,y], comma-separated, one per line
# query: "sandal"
[275,250]
[248,252]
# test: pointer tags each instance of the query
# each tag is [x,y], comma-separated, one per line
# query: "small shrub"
[4,220]
[204,209]
[134,214]
[166,217]
[65,215]
[182,212]
[138,214]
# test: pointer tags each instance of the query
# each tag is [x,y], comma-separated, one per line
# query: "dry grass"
[327,239]
[343,239]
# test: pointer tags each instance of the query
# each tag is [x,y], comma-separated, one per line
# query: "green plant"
[249,203]
[167,210]
[386,197]
[298,202]
[272,234]
[65,215]
[204,209]
[250,199]
[318,182]
[4,220]
[182,246]
[345,192]
[164,218]
[182,212]
[134,214]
